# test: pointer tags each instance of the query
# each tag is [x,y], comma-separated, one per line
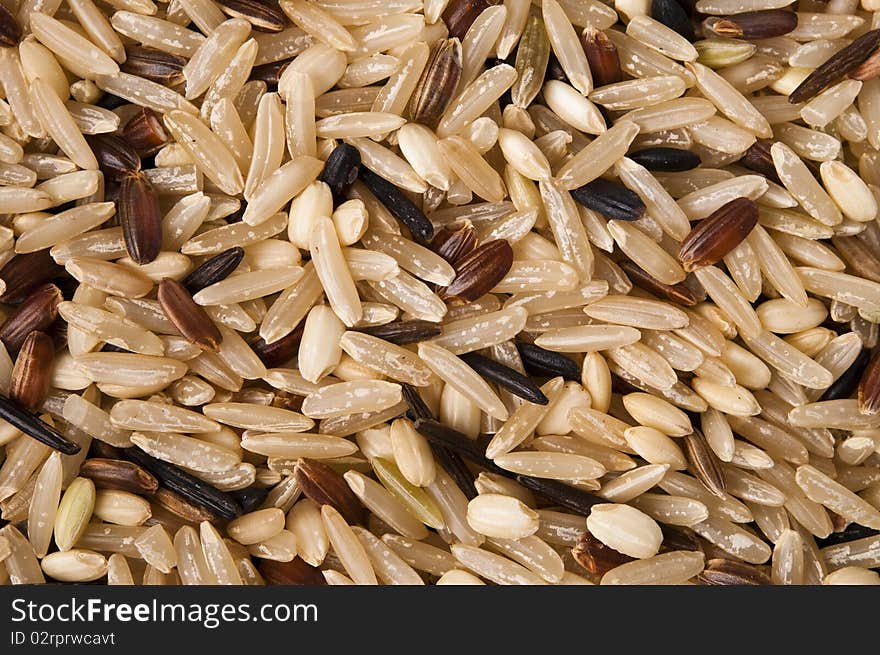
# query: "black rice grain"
[610,199]
[213,270]
[505,377]
[341,170]
[671,160]
[546,363]
[398,204]
[846,385]
[190,487]
[34,427]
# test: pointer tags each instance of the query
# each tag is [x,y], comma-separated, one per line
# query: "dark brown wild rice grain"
[858,255]
[677,293]
[115,155]
[757,158]
[144,132]
[154,65]
[869,387]
[269,73]
[119,474]
[602,57]
[405,332]
[178,505]
[596,557]
[718,234]
[38,311]
[453,242]
[479,271]
[262,15]
[729,572]
[25,272]
[461,14]
[436,87]
[140,218]
[837,66]
[326,487]
[679,538]
[278,352]
[187,316]
[703,462]
[295,572]
[10,31]
[32,373]
[868,69]
[763,24]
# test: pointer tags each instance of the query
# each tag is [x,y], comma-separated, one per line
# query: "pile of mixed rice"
[439,291]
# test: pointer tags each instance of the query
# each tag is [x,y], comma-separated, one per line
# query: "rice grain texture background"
[442,292]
